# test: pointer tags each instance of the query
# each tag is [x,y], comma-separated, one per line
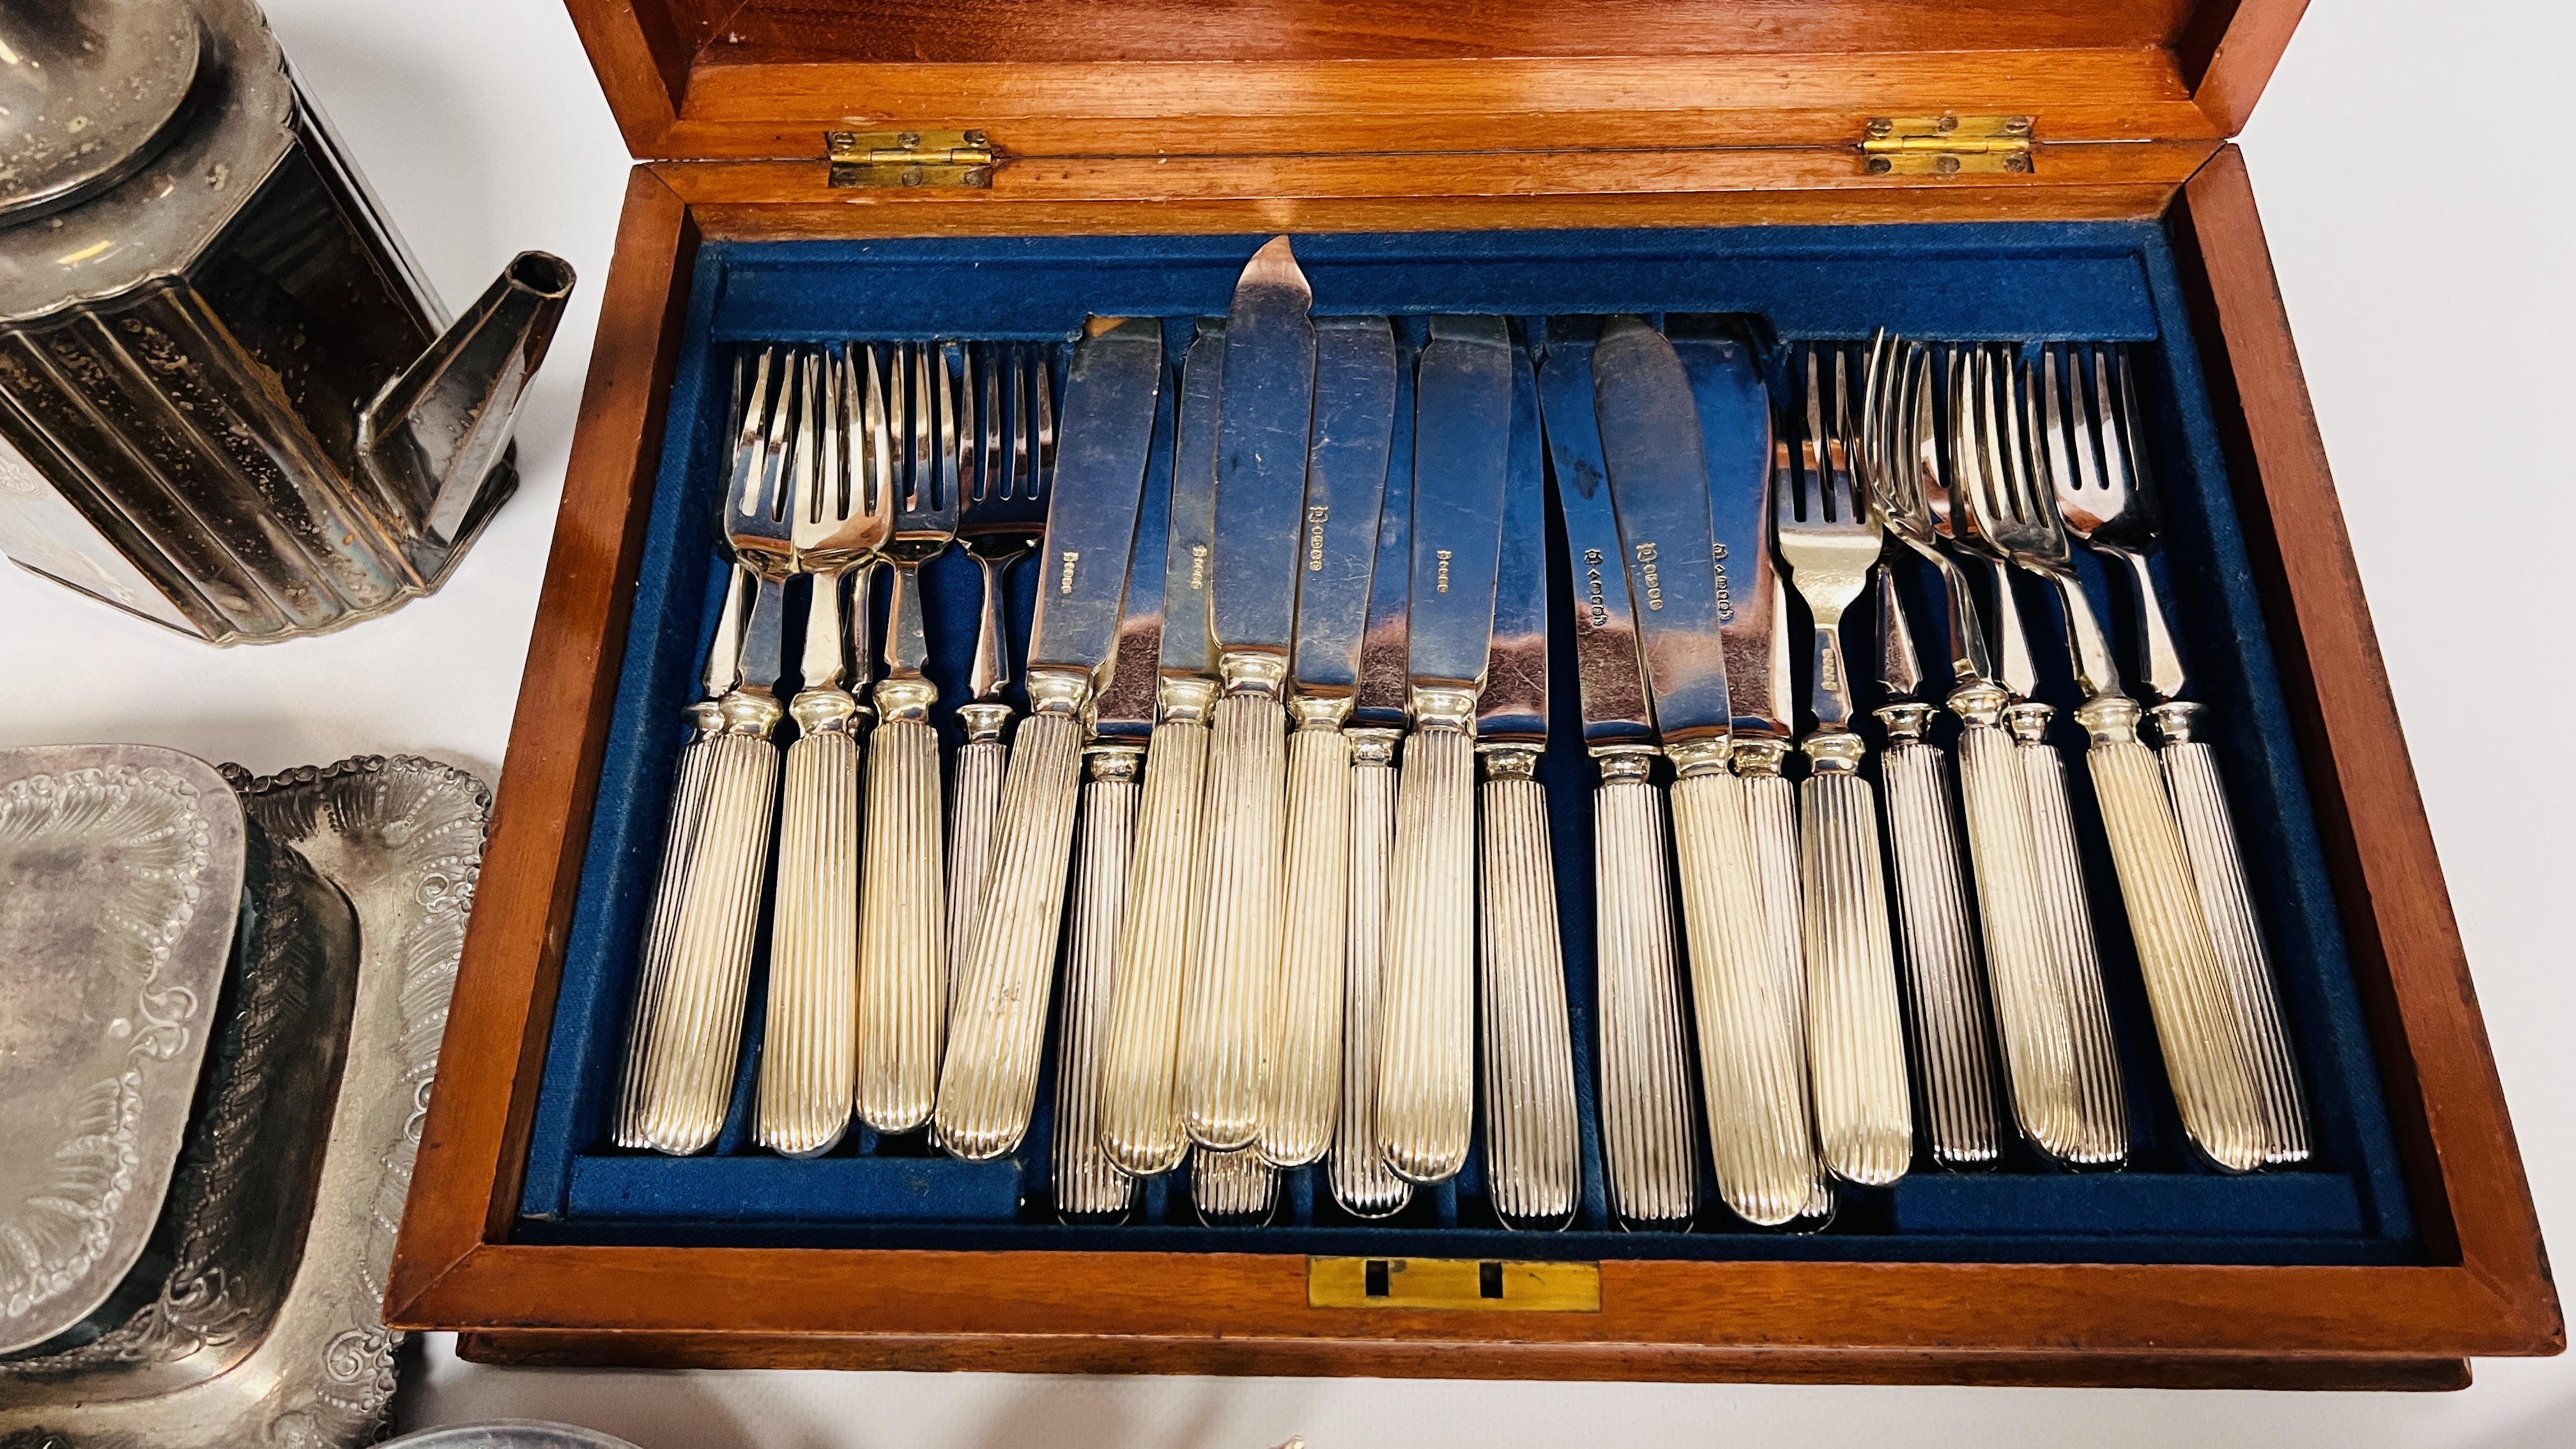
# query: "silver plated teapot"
[229,401]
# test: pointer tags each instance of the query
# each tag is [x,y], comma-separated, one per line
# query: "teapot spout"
[438,430]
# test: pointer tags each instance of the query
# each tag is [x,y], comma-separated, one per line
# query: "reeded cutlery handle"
[2029,995]
[1226,1002]
[1752,1064]
[1645,1070]
[1087,1183]
[1855,1035]
[1140,1118]
[697,1033]
[2218,867]
[975,792]
[1427,1056]
[1362,1182]
[809,1056]
[1771,828]
[679,842]
[1946,999]
[2194,1007]
[902,990]
[1530,1145]
[1301,1086]
[2066,931]
[989,1081]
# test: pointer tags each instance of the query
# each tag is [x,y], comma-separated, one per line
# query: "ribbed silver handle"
[1087,1183]
[2218,868]
[1226,1004]
[2029,995]
[1771,825]
[697,1033]
[1752,1066]
[1301,1084]
[975,791]
[1645,1068]
[1140,1118]
[989,1081]
[809,1059]
[1362,1182]
[1530,1147]
[1427,1057]
[2194,1007]
[1946,997]
[902,991]
[653,968]
[2065,924]
[1232,1189]
[1855,1031]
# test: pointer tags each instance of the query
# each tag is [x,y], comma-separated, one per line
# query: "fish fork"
[1856,1040]
[696,1033]
[809,1056]
[1945,1000]
[2097,465]
[1986,452]
[1001,520]
[689,791]
[909,420]
[2213,1084]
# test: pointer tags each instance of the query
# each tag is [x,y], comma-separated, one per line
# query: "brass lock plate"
[1485,1285]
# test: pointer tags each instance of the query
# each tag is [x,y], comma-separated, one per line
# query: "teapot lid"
[86,87]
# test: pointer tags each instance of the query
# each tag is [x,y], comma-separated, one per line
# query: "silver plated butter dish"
[120,866]
[264,1327]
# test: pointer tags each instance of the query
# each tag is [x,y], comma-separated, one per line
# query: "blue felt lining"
[2016,280]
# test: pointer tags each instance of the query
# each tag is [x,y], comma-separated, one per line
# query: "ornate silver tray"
[245,1345]
[120,868]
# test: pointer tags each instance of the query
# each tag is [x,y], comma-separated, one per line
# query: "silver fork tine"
[1017,487]
[992,459]
[1043,378]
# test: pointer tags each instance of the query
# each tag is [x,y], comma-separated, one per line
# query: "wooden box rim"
[2485,1289]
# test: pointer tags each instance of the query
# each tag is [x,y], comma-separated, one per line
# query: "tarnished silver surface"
[401,839]
[120,866]
[229,400]
[88,89]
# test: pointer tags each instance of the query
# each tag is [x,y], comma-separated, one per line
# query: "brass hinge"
[910,158]
[1946,145]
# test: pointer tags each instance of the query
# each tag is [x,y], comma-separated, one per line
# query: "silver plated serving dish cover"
[229,401]
[120,870]
[263,1325]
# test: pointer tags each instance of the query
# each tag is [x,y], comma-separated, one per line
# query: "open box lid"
[2108,105]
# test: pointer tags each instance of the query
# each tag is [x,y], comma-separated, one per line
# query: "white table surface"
[2423,254]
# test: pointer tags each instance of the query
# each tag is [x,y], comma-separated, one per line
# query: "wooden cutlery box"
[820,169]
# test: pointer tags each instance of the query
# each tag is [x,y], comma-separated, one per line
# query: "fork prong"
[1042,378]
[1842,502]
[2054,422]
[834,504]
[949,433]
[878,427]
[926,480]
[805,494]
[763,502]
[2109,425]
[1812,450]
[989,467]
[1018,484]
[967,434]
